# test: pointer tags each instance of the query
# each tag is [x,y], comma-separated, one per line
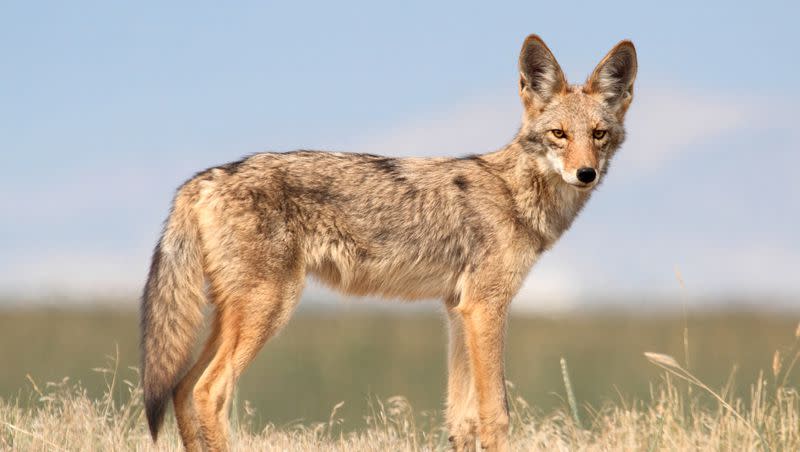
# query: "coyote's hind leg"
[247,319]
[182,397]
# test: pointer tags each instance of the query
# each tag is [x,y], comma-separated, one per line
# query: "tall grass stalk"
[573,404]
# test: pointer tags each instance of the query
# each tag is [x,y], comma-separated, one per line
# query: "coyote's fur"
[243,237]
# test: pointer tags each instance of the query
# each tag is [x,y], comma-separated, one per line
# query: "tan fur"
[466,230]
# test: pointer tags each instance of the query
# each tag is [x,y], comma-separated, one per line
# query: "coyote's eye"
[558,133]
[599,134]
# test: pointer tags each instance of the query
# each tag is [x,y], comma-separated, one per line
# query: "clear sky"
[105,108]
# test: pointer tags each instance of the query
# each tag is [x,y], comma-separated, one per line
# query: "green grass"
[323,358]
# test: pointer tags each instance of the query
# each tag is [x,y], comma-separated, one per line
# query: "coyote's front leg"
[484,319]
[462,404]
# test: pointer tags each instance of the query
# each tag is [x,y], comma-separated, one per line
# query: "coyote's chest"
[549,213]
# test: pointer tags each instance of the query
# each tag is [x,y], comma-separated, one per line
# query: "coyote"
[243,236]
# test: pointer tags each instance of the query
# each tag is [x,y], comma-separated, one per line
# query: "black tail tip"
[154,408]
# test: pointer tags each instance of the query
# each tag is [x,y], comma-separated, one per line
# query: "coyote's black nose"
[586,174]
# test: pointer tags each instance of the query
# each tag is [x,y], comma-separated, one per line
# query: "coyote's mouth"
[581,186]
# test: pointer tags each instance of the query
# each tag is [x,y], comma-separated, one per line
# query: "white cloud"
[663,122]
[553,285]
[767,268]
[76,273]
[476,126]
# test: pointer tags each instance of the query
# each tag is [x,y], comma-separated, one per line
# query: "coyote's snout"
[244,236]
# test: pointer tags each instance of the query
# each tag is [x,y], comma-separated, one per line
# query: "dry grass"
[323,358]
[64,417]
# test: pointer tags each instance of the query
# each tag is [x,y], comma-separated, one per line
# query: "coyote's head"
[574,130]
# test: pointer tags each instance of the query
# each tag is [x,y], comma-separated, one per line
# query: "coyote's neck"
[544,203]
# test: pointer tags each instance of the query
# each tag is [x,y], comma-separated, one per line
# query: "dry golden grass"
[682,414]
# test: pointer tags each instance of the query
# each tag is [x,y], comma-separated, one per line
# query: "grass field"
[366,359]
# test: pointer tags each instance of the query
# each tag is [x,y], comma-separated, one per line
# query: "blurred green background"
[324,357]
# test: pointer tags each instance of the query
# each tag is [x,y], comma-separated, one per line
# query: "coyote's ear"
[613,78]
[540,76]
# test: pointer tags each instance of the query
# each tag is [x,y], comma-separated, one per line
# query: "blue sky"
[105,108]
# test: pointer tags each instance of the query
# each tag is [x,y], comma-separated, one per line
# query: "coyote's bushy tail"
[171,311]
